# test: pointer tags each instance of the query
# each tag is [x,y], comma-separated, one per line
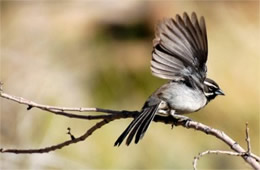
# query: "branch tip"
[1,86]
[200,155]
[248,139]
[72,137]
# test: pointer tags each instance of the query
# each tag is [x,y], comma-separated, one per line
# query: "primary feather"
[180,49]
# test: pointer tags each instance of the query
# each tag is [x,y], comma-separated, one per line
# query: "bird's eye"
[211,89]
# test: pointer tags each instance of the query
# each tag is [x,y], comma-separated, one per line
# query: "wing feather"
[204,34]
[191,29]
[167,59]
[180,48]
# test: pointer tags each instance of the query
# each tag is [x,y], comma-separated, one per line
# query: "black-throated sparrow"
[179,55]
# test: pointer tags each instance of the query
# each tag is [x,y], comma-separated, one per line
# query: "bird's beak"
[220,92]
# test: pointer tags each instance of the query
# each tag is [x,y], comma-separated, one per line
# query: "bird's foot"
[181,118]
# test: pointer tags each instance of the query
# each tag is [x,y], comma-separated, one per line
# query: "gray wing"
[180,49]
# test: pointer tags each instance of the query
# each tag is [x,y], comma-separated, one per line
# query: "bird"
[180,53]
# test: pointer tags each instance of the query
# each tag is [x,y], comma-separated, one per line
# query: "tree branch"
[214,152]
[243,154]
[58,110]
[60,145]
[111,115]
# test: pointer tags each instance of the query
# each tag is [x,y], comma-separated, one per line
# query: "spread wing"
[180,49]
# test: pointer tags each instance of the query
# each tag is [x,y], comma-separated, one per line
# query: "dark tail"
[138,126]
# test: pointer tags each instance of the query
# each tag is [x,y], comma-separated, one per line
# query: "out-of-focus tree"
[97,54]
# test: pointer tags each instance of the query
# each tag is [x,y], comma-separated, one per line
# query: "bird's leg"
[177,116]
[162,112]
[180,118]
[163,109]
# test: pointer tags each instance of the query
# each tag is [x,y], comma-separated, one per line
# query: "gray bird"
[180,51]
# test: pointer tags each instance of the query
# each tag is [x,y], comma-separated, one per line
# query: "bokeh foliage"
[97,53]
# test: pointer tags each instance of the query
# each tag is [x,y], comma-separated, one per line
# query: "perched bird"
[180,51]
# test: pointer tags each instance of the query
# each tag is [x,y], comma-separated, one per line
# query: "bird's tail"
[138,126]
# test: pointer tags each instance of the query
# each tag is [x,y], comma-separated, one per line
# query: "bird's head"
[211,89]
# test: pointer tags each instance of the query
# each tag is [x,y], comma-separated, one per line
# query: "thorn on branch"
[29,107]
[69,133]
[207,130]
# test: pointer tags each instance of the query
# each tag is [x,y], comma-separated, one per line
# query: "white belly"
[183,99]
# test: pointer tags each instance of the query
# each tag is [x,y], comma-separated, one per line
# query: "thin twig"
[248,139]
[32,104]
[70,134]
[213,152]
[244,154]
[63,110]
[60,145]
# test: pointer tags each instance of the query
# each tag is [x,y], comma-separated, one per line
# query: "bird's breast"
[182,98]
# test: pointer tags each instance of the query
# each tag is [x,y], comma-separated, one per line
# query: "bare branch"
[237,153]
[214,152]
[249,145]
[60,145]
[32,104]
[63,110]
[251,159]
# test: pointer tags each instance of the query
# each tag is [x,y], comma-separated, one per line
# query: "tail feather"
[128,129]
[139,125]
[141,131]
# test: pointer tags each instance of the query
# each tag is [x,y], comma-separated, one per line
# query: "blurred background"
[97,54]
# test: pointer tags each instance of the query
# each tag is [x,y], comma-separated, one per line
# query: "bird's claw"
[181,118]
